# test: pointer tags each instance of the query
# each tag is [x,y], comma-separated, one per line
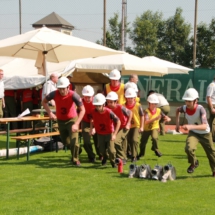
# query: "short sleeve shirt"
[1,89]
[48,87]
[211,92]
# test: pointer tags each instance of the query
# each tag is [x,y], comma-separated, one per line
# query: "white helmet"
[63,82]
[130,93]
[88,91]
[99,99]
[112,96]
[131,85]
[153,99]
[114,74]
[190,95]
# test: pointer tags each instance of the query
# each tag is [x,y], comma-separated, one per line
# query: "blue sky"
[87,15]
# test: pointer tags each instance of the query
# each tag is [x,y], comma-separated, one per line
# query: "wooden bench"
[33,136]
[23,130]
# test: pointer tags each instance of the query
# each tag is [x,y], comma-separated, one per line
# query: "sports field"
[49,184]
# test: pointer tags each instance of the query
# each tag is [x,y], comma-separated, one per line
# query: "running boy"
[199,130]
[125,117]
[87,99]
[104,120]
[152,115]
[136,122]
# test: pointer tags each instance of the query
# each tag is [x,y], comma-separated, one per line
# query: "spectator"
[10,106]
[37,96]
[210,99]
[49,87]
[134,79]
[2,103]
[27,103]
[134,86]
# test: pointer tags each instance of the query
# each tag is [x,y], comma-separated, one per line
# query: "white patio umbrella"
[126,63]
[173,68]
[45,44]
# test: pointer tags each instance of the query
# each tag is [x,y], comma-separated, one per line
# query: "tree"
[206,45]
[175,38]
[113,35]
[146,32]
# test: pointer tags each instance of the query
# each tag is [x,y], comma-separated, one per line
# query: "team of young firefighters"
[117,122]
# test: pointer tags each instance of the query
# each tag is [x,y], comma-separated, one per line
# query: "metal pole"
[104,25]
[195,34]
[123,26]
[125,23]
[20,17]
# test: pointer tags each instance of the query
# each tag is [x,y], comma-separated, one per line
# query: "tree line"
[169,39]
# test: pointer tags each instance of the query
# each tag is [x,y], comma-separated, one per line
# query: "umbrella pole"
[45,68]
[150,80]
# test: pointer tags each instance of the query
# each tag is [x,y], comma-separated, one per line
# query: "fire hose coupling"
[133,171]
[169,173]
[119,163]
[157,172]
[145,171]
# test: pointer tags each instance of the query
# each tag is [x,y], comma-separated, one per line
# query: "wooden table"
[7,121]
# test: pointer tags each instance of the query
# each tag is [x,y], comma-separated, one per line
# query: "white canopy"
[173,68]
[21,73]
[126,63]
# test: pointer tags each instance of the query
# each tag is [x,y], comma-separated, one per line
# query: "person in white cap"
[133,78]
[50,86]
[210,99]
[106,124]
[137,122]
[115,86]
[198,128]
[125,117]
[134,86]
[152,115]
[87,100]
[165,108]
[66,114]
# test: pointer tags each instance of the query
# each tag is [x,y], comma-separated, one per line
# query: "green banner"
[174,86]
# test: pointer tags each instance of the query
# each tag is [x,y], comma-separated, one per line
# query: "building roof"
[53,19]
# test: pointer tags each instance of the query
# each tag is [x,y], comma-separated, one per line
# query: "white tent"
[173,68]
[126,63]
[21,73]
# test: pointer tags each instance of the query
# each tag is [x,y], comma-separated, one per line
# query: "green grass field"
[49,184]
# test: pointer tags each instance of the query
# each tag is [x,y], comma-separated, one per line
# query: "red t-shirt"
[10,93]
[27,95]
[88,110]
[119,113]
[65,105]
[104,122]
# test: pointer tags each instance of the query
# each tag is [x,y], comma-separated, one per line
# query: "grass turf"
[49,184]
